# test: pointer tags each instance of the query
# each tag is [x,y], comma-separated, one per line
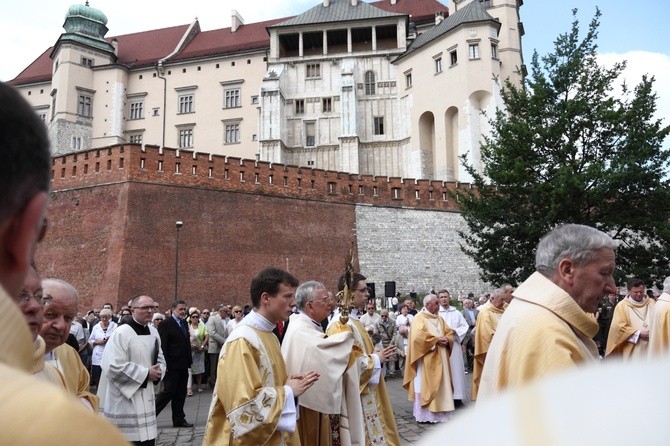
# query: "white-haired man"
[306,347]
[659,329]
[427,375]
[547,327]
[60,309]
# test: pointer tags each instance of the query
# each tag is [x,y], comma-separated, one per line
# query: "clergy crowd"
[295,366]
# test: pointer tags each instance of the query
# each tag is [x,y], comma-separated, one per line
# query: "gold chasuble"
[659,327]
[487,322]
[543,331]
[77,378]
[422,349]
[306,347]
[249,394]
[629,318]
[378,417]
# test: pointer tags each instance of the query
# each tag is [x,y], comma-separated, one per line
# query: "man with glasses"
[25,166]
[131,363]
[306,347]
[377,409]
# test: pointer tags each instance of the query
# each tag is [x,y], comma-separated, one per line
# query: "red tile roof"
[222,41]
[146,48]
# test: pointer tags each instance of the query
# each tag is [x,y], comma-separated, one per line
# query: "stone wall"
[418,249]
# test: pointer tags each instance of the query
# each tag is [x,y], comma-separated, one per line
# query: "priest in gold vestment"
[254,398]
[659,326]
[427,368]
[378,418]
[60,308]
[487,322]
[546,328]
[629,332]
[306,347]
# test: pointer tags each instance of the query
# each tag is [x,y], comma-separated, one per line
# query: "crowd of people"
[293,367]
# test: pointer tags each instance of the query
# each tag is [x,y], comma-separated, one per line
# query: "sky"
[628,30]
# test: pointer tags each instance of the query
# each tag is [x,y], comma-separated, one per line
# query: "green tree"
[566,149]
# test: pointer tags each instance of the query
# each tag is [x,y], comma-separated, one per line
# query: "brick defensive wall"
[152,164]
[113,210]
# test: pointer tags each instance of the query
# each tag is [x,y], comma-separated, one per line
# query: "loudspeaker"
[371,290]
[389,289]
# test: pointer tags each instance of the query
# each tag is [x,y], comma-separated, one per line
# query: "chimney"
[439,17]
[326,3]
[236,21]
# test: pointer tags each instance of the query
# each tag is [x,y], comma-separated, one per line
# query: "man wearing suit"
[470,314]
[176,345]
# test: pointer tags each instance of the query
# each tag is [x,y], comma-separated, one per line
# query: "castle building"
[390,88]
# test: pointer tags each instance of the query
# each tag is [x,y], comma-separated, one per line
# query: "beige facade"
[346,86]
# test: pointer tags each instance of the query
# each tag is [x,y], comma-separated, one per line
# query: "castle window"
[75,143]
[186,103]
[332,188]
[369,83]
[254,99]
[186,137]
[310,134]
[299,106]
[85,61]
[379,125]
[135,138]
[474,50]
[137,110]
[232,135]
[395,193]
[232,98]
[313,70]
[327,105]
[375,191]
[438,65]
[494,51]
[408,80]
[84,105]
[453,57]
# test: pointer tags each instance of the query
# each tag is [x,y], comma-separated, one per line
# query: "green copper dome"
[84,20]
[86,12]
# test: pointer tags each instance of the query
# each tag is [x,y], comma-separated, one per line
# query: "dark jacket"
[175,344]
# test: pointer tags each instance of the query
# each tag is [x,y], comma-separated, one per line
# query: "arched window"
[369,83]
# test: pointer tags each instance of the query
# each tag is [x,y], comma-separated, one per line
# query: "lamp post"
[178,225]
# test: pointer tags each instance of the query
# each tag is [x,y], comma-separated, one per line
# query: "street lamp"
[178,224]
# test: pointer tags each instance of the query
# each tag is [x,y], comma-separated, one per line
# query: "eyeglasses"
[145,308]
[205,314]
[237,311]
[195,315]
[26,297]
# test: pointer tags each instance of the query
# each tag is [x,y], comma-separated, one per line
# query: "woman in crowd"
[98,339]
[199,341]
[157,319]
[238,314]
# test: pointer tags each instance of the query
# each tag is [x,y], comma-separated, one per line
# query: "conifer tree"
[569,149]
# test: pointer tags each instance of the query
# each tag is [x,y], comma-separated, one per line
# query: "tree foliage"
[567,149]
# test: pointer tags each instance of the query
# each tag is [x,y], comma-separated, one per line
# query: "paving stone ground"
[197,407]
